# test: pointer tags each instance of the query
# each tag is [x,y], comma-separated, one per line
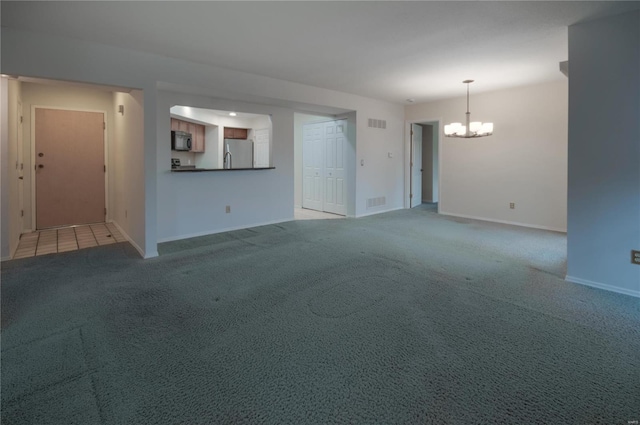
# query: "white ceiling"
[387,50]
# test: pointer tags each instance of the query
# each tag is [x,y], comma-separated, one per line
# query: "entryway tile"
[65,239]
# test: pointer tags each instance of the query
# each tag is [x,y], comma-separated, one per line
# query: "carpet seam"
[91,378]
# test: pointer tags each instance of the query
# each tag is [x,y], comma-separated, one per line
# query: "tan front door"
[69,167]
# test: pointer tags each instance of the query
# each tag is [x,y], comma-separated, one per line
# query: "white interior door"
[261,146]
[416,165]
[312,164]
[334,173]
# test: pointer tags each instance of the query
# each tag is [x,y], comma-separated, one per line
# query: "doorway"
[424,163]
[69,167]
[324,153]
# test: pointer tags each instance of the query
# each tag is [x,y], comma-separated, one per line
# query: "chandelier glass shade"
[470,129]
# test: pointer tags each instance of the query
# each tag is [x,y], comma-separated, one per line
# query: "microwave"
[180,140]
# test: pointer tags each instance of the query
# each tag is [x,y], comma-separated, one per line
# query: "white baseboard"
[379,212]
[512,223]
[602,286]
[226,229]
[5,258]
[128,238]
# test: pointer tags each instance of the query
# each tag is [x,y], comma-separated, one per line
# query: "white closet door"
[334,172]
[312,164]
[261,146]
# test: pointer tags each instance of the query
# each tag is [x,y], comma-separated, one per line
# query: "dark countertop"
[199,170]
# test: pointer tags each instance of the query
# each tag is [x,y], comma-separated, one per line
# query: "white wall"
[15,145]
[127,159]
[192,204]
[382,152]
[604,153]
[63,97]
[524,161]
[77,60]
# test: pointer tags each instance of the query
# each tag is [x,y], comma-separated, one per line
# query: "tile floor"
[64,239]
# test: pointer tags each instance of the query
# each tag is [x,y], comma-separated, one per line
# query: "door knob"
[40,166]
[40,154]
[21,178]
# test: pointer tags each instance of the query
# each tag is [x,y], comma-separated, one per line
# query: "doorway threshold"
[307,214]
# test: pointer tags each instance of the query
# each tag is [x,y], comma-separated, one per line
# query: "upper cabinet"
[197,137]
[196,130]
[235,133]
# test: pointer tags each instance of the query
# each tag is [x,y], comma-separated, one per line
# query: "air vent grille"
[376,202]
[375,123]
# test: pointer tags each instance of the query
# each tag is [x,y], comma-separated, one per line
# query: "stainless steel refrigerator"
[238,153]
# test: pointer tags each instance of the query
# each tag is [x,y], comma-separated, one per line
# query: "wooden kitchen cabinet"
[235,133]
[197,137]
[196,131]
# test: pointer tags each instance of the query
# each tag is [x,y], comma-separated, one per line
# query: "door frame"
[107,216]
[408,149]
[21,171]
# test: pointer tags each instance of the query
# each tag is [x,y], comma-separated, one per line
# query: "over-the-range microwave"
[180,140]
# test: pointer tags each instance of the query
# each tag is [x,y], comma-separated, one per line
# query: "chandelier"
[471,129]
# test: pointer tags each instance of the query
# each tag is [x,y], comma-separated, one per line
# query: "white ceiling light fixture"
[471,129]
[233,114]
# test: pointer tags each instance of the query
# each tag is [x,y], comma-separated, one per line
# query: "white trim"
[5,258]
[128,238]
[379,212]
[407,147]
[34,225]
[226,229]
[603,286]
[512,223]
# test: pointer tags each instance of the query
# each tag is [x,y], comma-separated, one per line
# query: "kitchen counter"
[199,170]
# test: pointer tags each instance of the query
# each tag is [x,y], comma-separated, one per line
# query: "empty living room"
[307,212]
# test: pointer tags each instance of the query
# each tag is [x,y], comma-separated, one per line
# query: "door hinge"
[105,168]
[411,196]
[21,213]
[20,119]
[105,211]
[104,125]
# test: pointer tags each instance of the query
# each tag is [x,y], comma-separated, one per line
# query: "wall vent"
[374,123]
[376,202]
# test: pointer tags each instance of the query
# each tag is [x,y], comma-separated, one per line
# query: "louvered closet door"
[334,169]
[312,163]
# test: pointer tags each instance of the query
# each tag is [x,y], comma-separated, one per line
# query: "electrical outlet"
[635,257]
[227,209]
[512,205]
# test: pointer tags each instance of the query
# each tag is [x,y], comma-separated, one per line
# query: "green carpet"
[400,318]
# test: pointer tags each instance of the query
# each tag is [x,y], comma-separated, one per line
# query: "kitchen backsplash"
[186,158]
